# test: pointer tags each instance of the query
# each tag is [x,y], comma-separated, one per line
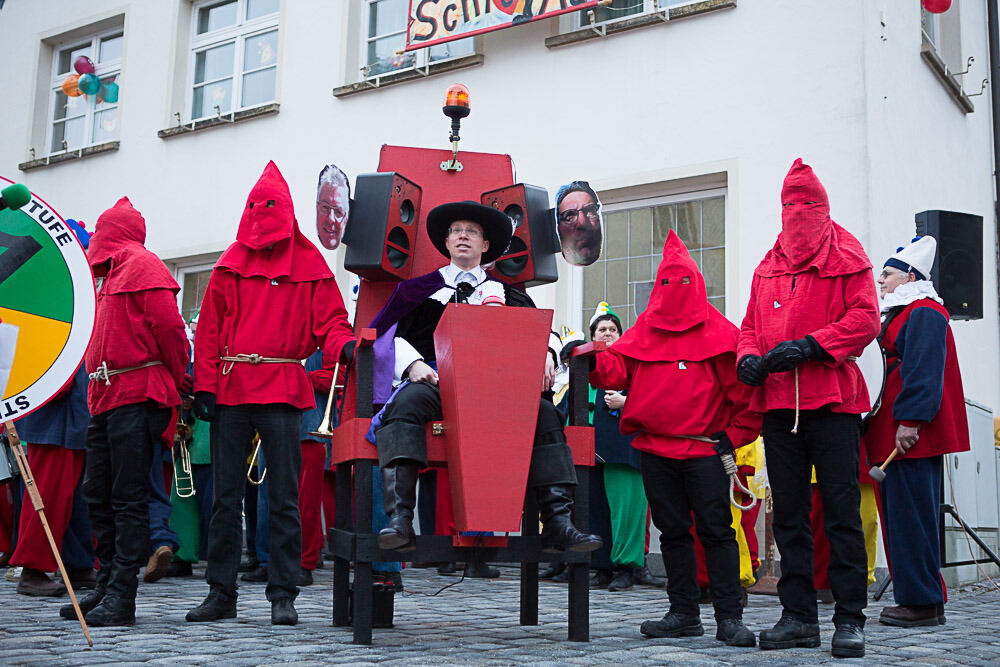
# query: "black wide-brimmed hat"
[496,226]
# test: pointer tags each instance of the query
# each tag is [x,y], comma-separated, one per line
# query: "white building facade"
[682,114]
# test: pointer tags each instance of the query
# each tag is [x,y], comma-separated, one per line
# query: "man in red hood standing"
[270,303]
[136,362]
[812,310]
[686,406]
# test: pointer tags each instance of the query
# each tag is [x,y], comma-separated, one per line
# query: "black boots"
[674,624]
[790,633]
[87,603]
[848,642]
[215,607]
[283,612]
[112,610]
[734,633]
[399,492]
[558,531]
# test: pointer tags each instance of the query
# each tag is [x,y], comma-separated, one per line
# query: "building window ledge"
[944,75]
[219,121]
[383,80]
[66,156]
[638,21]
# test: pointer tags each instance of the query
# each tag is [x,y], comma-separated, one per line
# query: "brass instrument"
[325,429]
[253,462]
[183,477]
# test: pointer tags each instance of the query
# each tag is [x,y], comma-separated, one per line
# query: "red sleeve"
[744,423]
[612,370]
[206,336]
[747,342]
[330,324]
[860,323]
[168,331]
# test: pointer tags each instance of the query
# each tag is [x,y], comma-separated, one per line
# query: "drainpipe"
[993,22]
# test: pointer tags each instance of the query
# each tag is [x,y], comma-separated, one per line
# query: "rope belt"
[729,465]
[253,360]
[795,426]
[105,373]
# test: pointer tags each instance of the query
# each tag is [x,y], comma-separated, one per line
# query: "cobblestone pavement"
[474,622]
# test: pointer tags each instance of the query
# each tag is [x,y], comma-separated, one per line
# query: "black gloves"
[204,406]
[347,352]
[723,445]
[750,370]
[790,354]
[567,350]
[187,385]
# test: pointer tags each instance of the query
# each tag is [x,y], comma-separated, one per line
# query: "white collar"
[451,273]
[907,293]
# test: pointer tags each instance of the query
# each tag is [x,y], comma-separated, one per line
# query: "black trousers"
[402,436]
[120,447]
[828,441]
[232,434]
[676,488]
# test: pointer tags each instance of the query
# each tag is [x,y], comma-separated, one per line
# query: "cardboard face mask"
[579,223]
[333,205]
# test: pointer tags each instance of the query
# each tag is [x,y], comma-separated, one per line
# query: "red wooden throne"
[386,242]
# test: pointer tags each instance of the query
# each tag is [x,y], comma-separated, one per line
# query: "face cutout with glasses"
[579,224]
[332,208]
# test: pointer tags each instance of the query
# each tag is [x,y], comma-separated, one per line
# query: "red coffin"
[490,365]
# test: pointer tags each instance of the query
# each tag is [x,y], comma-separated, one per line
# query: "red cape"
[119,236]
[678,324]
[268,241]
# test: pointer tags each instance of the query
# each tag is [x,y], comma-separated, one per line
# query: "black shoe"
[790,633]
[848,641]
[734,633]
[258,575]
[622,580]
[601,579]
[673,625]
[394,579]
[87,603]
[558,532]
[111,611]
[305,577]
[399,491]
[643,577]
[283,612]
[563,577]
[475,569]
[552,570]
[248,565]
[179,568]
[446,568]
[215,607]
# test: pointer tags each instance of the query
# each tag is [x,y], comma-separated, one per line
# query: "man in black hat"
[470,235]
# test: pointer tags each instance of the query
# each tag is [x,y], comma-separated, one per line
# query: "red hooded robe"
[271,293]
[679,365]
[815,281]
[137,319]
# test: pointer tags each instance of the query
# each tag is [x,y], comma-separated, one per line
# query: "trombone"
[253,463]
[325,429]
[183,477]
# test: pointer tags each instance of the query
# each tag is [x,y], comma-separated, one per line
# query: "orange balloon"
[70,87]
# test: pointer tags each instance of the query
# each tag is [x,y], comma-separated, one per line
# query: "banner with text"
[433,22]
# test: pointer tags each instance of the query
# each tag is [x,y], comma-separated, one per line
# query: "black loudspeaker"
[531,257]
[382,228]
[957,273]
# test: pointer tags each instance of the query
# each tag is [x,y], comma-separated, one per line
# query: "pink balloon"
[83,65]
[937,6]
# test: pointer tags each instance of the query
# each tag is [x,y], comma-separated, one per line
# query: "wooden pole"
[36,502]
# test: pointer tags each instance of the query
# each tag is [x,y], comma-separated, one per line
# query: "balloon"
[70,86]
[937,6]
[89,83]
[83,65]
[109,93]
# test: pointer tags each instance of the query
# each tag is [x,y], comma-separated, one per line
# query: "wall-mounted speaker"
[957,273]
[531,257]
[382,228]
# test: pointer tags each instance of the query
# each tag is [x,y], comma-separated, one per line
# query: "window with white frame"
[78,119]
[634,234]
[193,281]
[619,9]
[385,34]
[234,56]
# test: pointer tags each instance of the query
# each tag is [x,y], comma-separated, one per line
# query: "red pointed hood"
[809,238]
[678,324]
[119,236]
[268,216]
[268,241]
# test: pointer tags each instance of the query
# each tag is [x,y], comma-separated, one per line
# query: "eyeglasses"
[887,273]
[471,232]
[330,211]
[570,214]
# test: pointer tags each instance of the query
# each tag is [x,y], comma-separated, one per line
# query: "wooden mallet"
[878,472]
